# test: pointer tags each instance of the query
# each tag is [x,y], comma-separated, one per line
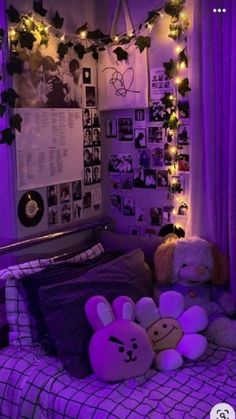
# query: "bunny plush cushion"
[119,348]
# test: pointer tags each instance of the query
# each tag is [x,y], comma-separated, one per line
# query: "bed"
[35,384]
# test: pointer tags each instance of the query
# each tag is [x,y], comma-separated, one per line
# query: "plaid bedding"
[34,386]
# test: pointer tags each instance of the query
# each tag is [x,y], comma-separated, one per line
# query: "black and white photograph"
[128,206]
[52,195]
[183,208]
[88,157]
[87,118]
[96,156]
[157,112]
[90,94]
[144,158]
[64,193]
[86,75]
[157,157]
[141,215]
[150,178]
[120,163]
[156,215]
[183,162]
[134,230]
[88,137]
[96,137]
[139,115]
[162,179]
[96,174]
[183,107]
[111,128]
[53,216]
[126,181]
[138,178]
[183,134]
[116,202]
[125,129]
[88,175]
[77,209]
[115,180]
[140,138]
[155,134]
[87,200]
[159,82]
[95,118]
[77,190]
[66,213]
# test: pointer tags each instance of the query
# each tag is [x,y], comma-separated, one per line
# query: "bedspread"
[36,386]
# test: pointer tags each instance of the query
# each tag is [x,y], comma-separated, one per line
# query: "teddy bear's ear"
[220,274]
[163,260]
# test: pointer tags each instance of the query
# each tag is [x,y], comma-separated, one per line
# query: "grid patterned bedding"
[38,387]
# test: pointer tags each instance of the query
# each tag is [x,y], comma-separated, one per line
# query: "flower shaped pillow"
[172,331]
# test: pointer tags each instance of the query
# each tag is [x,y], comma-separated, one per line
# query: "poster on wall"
[49,148]
[122,84]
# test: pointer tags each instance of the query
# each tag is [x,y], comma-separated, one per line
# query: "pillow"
[21,328]
[125,243]
[63,305]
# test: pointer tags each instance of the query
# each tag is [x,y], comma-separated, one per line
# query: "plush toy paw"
[168,360]
[222,331]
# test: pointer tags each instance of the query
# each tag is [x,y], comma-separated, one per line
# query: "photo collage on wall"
[159,160]
[64,202]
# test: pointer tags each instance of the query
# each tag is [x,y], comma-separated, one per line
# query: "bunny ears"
[100,313]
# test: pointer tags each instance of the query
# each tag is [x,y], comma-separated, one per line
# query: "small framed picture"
[140,138]
[111,128]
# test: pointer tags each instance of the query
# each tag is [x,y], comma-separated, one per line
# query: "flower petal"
[192,345]
[146,312]
[171,304]
[168,360]
[193,320]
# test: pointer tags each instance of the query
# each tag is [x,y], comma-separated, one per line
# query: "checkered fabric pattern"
[21,327]
[36,386]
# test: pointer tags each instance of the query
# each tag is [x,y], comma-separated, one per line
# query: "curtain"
[212,51]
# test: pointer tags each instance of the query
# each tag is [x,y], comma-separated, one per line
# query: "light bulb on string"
[177,80]
[178,49]
[83,34]
[182,65]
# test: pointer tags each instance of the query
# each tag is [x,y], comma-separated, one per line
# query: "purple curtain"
[213,126]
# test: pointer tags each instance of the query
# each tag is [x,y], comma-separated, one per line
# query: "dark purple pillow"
[63,309]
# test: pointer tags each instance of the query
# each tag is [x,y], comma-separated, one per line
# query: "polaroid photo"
[52,195]
[77,190]
[157,112]
[183,208]
[53,217]
[138,178]
[88,175]
[88,157]
[96,156]
[183,162]
[162,178]
[87,118]
[156,215]
[140,138]
[183,134]
[157,157]
[125,129]
[86,75]
[126,181]
[96,137]
[128,206]
[116,202]
[144,158]
[90,94]
[66,214]
[96,174]
[134,230]
[111,128]
[88,137]
[155,134]
[141,215]
[150,178]
[64,193]
[120,163]
[95,118]
[115,181]
[87,200]
[77,210]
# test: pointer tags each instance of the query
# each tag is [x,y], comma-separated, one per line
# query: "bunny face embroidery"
[119,348]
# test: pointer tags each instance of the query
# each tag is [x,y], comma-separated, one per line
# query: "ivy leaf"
[143,42]
[174,7]
[183,57]
[15,65]
[26,39]
[98,34]
[173,121]
[1,33]
[93,50]
[152,15]
[82,28]
[8,136]
[9,97]
[2,109]
[80,50]
[183,107]
[62,50]
[170,68]
[38,8]
[124,41]
[15,122]
[57,21]
[167,102]
[121,54]
[183,87]
[70,44]
[13,14]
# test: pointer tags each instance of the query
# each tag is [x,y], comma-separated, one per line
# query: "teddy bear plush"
[195,268]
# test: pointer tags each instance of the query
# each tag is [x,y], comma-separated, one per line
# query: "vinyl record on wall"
[30,208]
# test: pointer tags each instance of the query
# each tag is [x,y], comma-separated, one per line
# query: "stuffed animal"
[119,348]
[195,268]
[171,330]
